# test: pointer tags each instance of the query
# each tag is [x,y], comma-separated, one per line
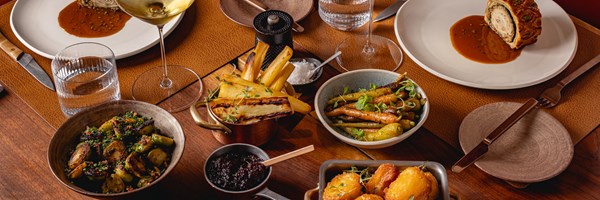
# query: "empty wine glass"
[162,85]
[369,51]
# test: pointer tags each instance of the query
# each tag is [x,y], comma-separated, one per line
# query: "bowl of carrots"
[371,108]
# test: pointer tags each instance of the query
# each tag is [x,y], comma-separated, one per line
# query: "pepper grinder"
[273,27]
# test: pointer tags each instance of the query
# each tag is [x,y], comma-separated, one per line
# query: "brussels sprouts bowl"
[137,166]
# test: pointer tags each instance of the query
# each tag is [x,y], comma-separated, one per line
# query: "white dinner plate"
[423,30]
[35,23]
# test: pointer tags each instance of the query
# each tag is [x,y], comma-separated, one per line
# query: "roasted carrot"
[385,118]
[385,99]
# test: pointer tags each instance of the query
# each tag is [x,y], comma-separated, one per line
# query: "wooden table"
[26,129]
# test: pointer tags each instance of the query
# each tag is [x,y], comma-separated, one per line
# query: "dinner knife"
[26,61]
[482,148]
[389,11]
[262,7]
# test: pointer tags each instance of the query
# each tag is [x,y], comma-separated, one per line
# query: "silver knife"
[389,11]
[26,61]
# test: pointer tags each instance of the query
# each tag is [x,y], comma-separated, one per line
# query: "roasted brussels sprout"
[135,164]
[107,126]
[78,171]
[144,145]
[120,171]
[113,184]
[157,156]
[124,153]
[145,128]
[96,171]
[114,151]
[162,140]
[81,153]
[145,181]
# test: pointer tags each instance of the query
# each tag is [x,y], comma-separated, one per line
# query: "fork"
[551,96]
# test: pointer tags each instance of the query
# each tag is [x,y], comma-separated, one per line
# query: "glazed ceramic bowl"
[362,79]
[67,136]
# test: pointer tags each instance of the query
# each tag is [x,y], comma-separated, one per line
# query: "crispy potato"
[434,185]
[369,197]
[344,186]
[412,182]
[381,179]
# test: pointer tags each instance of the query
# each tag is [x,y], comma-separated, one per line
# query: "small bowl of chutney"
[236,171]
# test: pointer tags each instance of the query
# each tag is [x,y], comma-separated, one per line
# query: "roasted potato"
[381,179]
[412,183]
[81,153]
[344,186]
[369,197]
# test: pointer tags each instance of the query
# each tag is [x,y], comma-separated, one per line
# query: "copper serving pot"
[257,133]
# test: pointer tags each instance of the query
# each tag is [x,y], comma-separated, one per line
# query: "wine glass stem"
[166,81]
[368,48]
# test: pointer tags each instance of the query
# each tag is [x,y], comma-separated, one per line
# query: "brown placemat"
[203,41]
[450,102]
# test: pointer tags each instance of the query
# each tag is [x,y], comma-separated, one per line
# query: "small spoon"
[316,69]
[289,155]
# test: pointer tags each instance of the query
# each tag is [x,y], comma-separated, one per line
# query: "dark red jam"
[236,171]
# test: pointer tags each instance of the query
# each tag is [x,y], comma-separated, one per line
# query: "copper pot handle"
[309,193]
[204,124]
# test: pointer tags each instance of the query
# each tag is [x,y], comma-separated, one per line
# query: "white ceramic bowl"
[361,79]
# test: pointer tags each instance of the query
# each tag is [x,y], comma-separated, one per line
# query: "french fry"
[252,69]
[247,72]
[283,76]
[254,88]
[274,69]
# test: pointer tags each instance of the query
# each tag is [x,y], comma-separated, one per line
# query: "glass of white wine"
[172,87]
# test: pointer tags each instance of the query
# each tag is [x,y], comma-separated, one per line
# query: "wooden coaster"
[536,148]
[243,13]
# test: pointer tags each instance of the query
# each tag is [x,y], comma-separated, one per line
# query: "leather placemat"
[450,102]
[203,41]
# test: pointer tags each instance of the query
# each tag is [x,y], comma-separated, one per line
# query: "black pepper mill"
[273,27]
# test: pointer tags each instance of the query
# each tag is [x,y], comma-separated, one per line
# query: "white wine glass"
[369,51]
[172,87]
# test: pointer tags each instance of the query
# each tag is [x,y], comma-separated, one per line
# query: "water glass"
[345,15]
[85,75]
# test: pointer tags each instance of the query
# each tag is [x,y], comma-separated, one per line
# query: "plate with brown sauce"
[46,27]
[424,30]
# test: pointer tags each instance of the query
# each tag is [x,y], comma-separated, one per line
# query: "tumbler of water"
[345,15]
[85,75]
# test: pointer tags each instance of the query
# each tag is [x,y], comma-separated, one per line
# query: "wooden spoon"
[289,155]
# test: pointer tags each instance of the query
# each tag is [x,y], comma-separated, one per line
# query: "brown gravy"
[87,22]
[473,39]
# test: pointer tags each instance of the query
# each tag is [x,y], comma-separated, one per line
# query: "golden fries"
[273,71]
[283,76]
[253,63]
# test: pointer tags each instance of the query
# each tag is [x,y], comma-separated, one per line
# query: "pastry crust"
[517,22]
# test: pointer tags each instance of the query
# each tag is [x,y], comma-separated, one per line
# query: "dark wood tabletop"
[25,174]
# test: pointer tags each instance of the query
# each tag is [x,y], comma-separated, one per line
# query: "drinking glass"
[162,85]
[345,15]
[85,75]
[369,51]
